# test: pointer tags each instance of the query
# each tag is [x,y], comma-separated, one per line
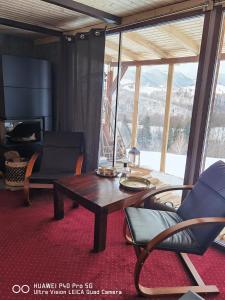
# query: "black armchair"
[190,229]
[62,155]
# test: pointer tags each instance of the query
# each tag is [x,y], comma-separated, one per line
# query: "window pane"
[216,138]
[151,114]
[109,101]
[184,80]
[125,110]
[150,51]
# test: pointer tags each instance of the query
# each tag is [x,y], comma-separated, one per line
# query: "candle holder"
[134,157]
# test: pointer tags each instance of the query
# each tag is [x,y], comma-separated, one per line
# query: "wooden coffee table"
[97,194]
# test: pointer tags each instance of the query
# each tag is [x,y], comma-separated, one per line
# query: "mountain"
[181,80]
[158,78]
[153,78]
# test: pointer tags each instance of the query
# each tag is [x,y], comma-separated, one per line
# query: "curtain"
[81,86]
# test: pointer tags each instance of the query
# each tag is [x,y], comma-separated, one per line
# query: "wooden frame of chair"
[30,166]
[142,252]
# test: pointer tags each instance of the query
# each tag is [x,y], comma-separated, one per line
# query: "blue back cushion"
[61,151]
[207,199]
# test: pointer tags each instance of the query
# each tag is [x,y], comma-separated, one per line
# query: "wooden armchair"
[62,155]
[191,229]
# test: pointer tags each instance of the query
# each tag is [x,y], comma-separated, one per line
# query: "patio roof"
[171,40]
[68,21]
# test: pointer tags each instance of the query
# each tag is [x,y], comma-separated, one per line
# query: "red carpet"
[36,249]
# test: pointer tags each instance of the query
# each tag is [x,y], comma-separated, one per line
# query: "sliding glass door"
[150,103]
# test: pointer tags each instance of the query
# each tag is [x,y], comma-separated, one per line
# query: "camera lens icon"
[16,288]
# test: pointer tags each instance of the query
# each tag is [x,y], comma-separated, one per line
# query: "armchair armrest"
[31,165]
[79,163]
[162,190]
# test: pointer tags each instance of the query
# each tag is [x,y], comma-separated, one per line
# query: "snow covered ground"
[175,164]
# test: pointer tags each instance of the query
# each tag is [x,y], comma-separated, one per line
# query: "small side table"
[97,194]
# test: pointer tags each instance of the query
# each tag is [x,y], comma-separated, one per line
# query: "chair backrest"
[207,199]
[61,151]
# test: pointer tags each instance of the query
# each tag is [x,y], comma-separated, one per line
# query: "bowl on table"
[106,172]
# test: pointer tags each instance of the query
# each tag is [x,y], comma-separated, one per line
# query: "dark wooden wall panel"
[13,45]
[52,53]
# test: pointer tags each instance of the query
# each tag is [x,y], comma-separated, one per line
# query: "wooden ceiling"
[38,12]
[177,39]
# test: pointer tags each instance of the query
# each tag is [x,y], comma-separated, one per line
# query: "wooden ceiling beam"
[30,27]
[149,45]
[108,58]
[46,40]
[163,61]
[125,51]
[112,58]
[182,38]
[86,10]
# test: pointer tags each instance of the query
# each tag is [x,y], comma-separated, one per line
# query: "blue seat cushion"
[145,224]
[47,177]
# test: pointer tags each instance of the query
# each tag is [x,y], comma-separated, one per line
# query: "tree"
[146,133]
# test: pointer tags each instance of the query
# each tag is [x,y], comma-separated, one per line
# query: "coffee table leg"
[58,204]
[100,230]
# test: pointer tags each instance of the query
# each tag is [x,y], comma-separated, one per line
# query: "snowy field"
[175,164]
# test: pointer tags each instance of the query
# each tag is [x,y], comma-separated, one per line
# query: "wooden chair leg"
[137,250]
[145,291]
[26,189]
[126,234]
